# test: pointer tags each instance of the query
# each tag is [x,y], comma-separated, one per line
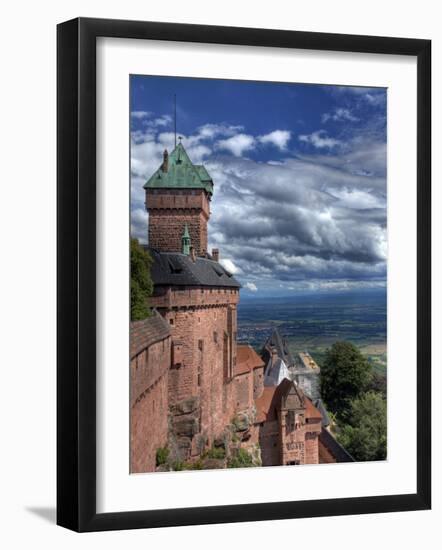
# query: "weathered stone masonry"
[149,396]
[170,212]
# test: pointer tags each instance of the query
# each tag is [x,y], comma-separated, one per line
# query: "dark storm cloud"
[300,219]
[305,219]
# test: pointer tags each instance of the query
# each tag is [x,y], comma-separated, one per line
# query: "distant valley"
[313,322]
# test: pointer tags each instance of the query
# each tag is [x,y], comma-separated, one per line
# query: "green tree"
[140,282]
[365,436]
[345,374]
[378,384]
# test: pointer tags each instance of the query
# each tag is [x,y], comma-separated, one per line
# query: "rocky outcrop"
[186,425]
[184,438]
[186,406]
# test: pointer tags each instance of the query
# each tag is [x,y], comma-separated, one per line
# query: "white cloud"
[340,285]
[320,140]
[237,144]
[138,224]
[251,286]
[340,115]
[279,138]
[140,114]
[375,99]
[164,120]
[230,266]
[210,131]
[316,217]
[357,199]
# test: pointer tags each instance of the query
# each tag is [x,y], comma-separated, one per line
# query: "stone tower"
[178,194]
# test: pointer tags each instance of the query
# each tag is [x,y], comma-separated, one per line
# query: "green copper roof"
[186,233]
[181,173]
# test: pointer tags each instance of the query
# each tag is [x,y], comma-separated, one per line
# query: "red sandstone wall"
[149,405]
[169,211]
[147,367]
[292,442]
[206,346]
[300,444]
[311,448]
[269,443]
[196,297]
[258,382]
[243,388]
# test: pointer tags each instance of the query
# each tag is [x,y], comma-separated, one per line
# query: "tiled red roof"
[270,400]
[311,411]
[246,359]
[146,332]
[264,411]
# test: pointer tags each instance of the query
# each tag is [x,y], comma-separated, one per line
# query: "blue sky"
[299,172]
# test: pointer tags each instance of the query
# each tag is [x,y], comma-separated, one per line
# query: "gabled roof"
[272,398]
[264,409]
[181,173]
[286,389]
[174,269]
[276,341]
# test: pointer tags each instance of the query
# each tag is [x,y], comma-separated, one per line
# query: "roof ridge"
[180,172]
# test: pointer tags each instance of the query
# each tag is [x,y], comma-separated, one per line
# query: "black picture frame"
[76,274]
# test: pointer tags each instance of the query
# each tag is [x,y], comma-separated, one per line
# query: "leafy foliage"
[241,459]
[378,384]
[345,374]
[216,452]
[162,455]
[197,465]
[140,283]
[365,435]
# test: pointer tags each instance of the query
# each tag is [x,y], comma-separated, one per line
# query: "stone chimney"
[192,254]
[165,165]
[215,254]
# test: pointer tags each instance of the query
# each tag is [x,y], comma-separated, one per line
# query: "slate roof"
[263,404]
[276,373]
[335,448]
[146,332]
[279,343]
[181,174]
[175,269]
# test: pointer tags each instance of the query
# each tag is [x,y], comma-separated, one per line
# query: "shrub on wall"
[162,456]
[241,459]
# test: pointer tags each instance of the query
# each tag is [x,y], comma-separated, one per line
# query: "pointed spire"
[179,148]
[185,241]
[165,165]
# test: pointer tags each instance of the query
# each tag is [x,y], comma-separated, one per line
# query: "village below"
[203,395]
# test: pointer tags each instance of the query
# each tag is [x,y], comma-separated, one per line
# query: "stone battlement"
[194,297]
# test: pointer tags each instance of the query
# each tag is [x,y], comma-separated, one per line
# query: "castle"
[194,388]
